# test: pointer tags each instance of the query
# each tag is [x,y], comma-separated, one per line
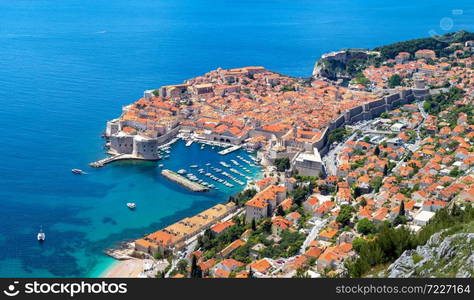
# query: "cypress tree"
[196,271]
[254,225]
[250,273]
[402,209]
[377,151]
[280,211]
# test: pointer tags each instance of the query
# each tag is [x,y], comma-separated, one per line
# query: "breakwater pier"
[230,149]
[193,186]
[103,162]
[115,157]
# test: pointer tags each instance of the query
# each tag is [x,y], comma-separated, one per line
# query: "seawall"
[193,186]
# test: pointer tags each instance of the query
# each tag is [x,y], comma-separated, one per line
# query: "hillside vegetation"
[390,243]
[437,44]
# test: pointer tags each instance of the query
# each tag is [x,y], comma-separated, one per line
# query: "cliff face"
[343,64]
[441,256]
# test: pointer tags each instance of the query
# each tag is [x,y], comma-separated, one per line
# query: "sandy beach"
[130,268]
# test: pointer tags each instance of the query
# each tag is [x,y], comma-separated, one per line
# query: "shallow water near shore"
[99,218]
[68,66]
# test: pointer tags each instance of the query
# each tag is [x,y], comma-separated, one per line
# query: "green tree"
[196,271]
[399,219]
[182,265]
[282,164]
[357,243]
[345,214]
[385,170]
[326,189]
[401,212]
[301,273]
[357,192]
[377,151]
[337,135]
[394,80]
[280,211]
[376,183]
[250,273]
[365,227]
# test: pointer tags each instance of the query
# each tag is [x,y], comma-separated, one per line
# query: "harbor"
[195,167]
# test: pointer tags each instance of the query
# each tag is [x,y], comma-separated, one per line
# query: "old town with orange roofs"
[339,158]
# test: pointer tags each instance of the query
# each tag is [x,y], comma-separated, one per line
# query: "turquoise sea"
[67,66]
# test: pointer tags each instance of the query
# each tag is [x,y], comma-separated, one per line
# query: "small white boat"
[193,166]
[160,165]
[78,171]
[224,164]
[131,205]
[181,171]
[41,235]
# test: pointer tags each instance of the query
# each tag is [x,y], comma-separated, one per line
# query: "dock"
[103,162]
[114,157]
[230,149]
[183,181]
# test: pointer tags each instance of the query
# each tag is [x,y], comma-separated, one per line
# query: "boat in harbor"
[224,164]
[131,205]
[41,235]
[181,171]
[161,165]
[193,166]
[78,171]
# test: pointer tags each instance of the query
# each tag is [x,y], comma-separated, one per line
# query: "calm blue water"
[66,66]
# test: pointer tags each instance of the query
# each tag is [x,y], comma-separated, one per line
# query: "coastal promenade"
[193,186]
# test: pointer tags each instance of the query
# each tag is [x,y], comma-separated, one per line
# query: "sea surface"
[67,66]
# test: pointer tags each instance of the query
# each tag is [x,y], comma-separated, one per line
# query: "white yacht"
[41,235]
[131,205]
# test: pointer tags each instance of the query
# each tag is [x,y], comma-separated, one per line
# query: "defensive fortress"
[372,110]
